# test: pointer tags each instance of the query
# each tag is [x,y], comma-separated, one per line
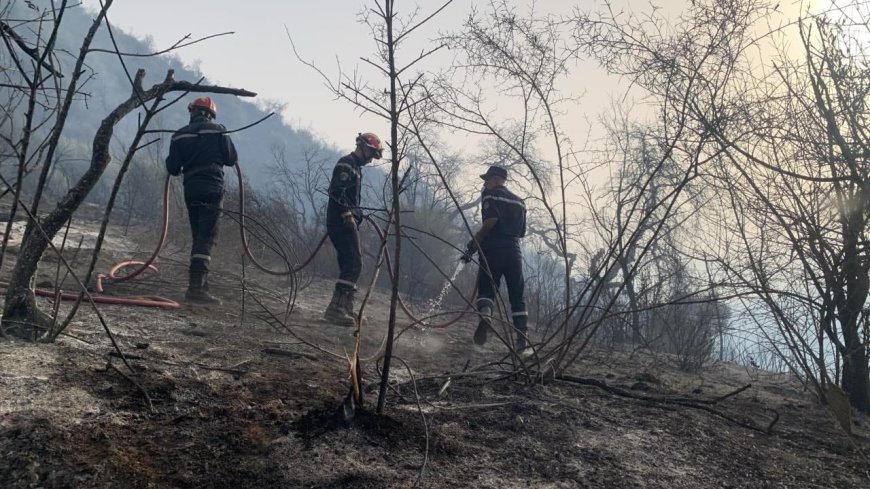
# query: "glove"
[471,247]
[470,250]
[349,221]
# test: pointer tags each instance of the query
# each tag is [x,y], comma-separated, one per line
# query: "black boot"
[336,311]
[197,288]
[349,303]
[483,325]
[521,344]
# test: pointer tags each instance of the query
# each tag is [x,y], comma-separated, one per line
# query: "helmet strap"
[360,151]
[200,112]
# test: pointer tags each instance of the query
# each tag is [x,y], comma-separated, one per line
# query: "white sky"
[258,56]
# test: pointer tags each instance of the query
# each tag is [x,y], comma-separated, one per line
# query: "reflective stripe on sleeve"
[502,199]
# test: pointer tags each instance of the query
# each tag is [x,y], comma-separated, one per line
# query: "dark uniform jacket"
[510,210]
[345,188]
[200,150]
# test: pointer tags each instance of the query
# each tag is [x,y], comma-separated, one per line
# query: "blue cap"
[495,171]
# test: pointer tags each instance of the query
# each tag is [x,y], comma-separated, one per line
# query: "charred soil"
[219,398]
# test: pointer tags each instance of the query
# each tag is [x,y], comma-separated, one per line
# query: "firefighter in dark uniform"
[343,217]
[199,151]
[504,223]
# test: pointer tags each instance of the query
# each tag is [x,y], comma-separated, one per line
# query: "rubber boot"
[483,326]
[205,292]
[349,303]
[197,288]
[336,311]
[521,343]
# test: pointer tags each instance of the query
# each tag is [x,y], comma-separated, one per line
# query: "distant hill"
[110,85]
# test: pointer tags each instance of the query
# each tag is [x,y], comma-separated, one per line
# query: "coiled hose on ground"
[157,301]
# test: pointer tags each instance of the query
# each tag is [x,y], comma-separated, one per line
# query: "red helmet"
[371,140]
[204,103]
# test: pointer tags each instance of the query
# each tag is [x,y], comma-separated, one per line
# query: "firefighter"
[504,222]
[200,151]
[343,217]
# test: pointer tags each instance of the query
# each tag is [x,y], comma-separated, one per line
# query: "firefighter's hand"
[470,250]
[471,247]
[349,221]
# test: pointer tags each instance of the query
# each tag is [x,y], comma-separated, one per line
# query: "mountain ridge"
[107,85]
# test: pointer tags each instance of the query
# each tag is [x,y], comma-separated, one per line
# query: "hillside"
[109,85]
[624,386]
[221,399]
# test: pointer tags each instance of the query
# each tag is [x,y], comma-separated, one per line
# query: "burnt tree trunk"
[856,372]
[21,315]
[396,207]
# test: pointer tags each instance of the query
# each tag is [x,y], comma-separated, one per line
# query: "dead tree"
[803,195]
[34,85]
[300,187]
[22,316]
[402,91]
[789,158]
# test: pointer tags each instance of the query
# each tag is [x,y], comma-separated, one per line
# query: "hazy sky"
[258,56]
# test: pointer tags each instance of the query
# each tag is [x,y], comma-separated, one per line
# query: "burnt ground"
[237,403]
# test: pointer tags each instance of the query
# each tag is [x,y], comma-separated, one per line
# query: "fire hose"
[402,304]
[381,235]
[157,301]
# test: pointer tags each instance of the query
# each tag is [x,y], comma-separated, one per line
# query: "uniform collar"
[356,159]
[199,119]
